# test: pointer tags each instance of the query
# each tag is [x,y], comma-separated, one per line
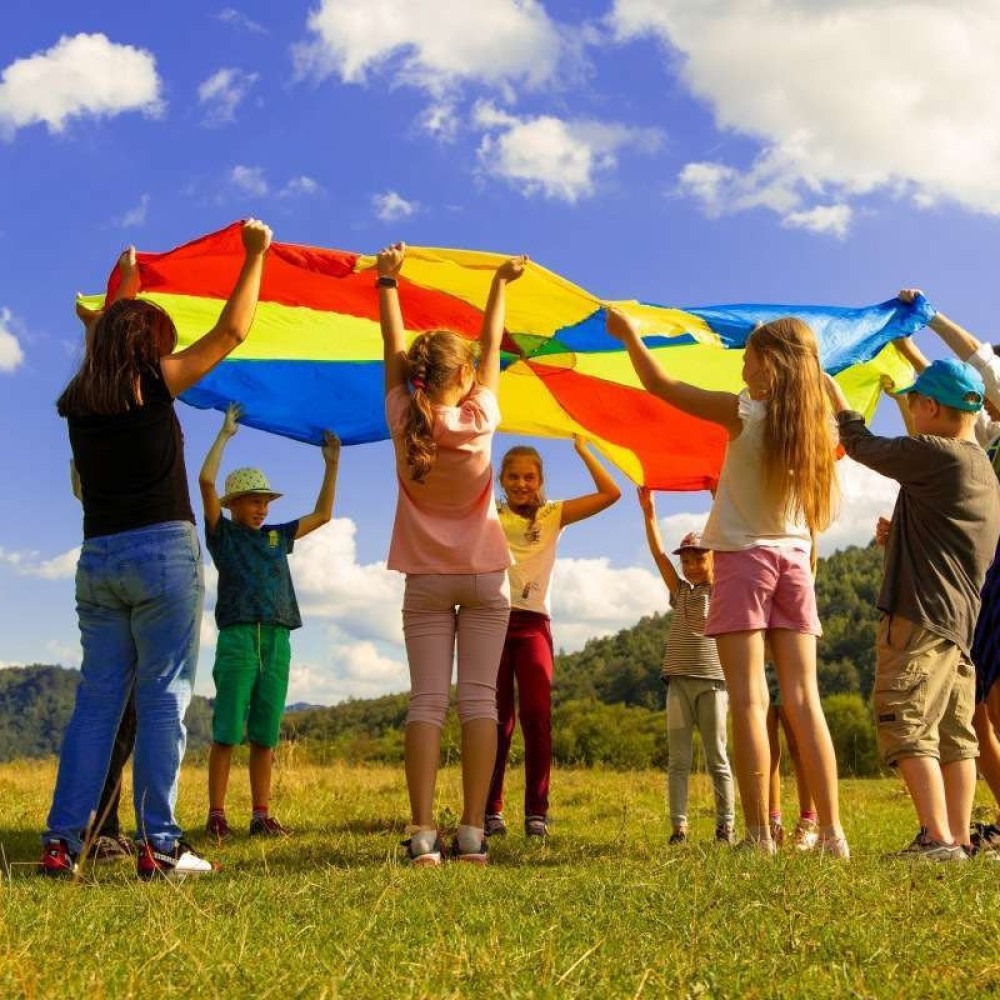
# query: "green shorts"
[251,682]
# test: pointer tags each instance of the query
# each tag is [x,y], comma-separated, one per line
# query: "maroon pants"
[527,657]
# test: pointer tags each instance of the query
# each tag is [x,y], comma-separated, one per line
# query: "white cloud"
[435,44]
[236,18]
[61,567]
[301,186]
[832,219]
[551,156]
[223,92]
[391,206]
[591,598]
[845,99]
[135,216]
[80,76]
[441,120]
[11,352]
[249,180]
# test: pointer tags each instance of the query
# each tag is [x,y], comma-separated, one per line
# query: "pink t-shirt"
[448,523]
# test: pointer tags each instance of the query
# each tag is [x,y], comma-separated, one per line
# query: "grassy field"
[603,909]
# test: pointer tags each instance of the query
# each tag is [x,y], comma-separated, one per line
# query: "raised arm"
[961,342]
[388,263]
[323,510]
[718,407]
[210,467]
[591,503]
[488,372]
[663,564]
[183,369]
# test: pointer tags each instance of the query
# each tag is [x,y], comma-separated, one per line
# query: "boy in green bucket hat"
[255,611]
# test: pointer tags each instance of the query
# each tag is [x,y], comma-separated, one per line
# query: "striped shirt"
[688,652]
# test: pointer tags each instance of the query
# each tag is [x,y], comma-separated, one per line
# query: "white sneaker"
[834,847]
[178,863]
[805,837]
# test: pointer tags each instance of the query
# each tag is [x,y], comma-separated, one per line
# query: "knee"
[430,708]
[476,704]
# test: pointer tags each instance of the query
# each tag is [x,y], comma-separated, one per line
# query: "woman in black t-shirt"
[139,581]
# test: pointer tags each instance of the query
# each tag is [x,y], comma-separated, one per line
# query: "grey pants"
[693,702]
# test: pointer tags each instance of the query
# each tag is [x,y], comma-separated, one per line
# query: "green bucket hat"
[241,482]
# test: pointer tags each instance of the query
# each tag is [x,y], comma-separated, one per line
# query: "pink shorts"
[762,588]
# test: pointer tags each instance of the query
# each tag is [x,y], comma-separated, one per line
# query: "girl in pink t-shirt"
[442,411]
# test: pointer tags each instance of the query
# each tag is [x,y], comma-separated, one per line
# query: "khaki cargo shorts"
[925,694]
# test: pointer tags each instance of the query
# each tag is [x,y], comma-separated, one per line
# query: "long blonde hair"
[433,361]
[799,451]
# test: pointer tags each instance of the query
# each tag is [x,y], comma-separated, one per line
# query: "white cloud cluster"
[11,352]
[61,567]
[237,19]
[551,156]
[223,92]
[845,98]
[80,76]
[252,182]
[435,45]
[390,206]
[134,216]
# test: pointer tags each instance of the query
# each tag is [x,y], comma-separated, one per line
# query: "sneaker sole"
[426,861]
[472,859]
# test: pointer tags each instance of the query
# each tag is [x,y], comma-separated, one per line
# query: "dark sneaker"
[495,825]
[479,857]
[724,834]
[420,858]
[107,848]
[178,863]
[58,861]
[985,837]
[217,827]
[678,837]
[535,826]
[923,848]
[267,826]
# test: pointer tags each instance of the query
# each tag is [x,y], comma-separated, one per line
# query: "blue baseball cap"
[952,383]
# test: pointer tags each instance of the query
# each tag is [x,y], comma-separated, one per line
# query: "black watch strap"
[384,281]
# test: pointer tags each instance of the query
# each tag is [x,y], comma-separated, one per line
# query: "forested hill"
[624,669]
[620,670]
[35,706]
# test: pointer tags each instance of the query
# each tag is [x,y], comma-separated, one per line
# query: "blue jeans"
[139,599]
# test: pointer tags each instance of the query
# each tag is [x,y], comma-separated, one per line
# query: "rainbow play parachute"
[313,359]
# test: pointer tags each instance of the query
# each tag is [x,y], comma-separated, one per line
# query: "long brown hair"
[799,450]
[124,342]
[433,361]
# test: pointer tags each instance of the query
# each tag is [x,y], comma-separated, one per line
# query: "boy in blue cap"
[941,542]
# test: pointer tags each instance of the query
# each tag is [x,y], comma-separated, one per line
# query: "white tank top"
[744,515]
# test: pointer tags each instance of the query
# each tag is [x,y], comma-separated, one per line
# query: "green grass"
[602,909]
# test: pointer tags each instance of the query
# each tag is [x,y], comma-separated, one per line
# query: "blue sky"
[677,152]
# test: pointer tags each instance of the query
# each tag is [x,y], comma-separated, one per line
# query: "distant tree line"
[608,697]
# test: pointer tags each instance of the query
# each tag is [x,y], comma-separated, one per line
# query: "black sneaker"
[495,825]
[267,826]
[985,837]
[724,834]
[58,861]
[178,863]
[535,826]
[677,837]
[923,848]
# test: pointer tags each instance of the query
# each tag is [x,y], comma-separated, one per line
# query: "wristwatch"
[384,281]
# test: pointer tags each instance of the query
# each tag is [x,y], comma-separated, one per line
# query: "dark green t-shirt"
[944,526]
[254,582]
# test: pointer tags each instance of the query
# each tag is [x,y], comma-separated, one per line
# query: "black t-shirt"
[131,464]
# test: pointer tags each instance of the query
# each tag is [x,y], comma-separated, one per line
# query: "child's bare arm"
[663,564]
[388,263]
[592,503]
[323,510]
[717,407]
[488,373]
[210,467]
[183,369]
